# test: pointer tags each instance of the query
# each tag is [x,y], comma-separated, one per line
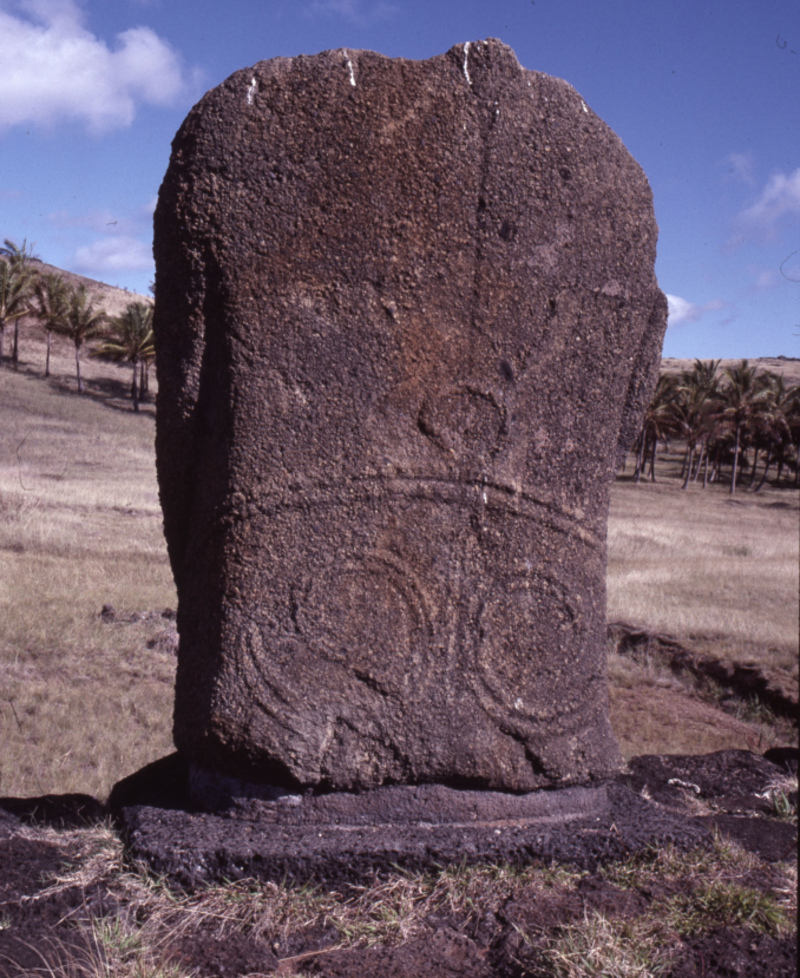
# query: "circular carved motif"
[528,636]
[370,617]
[467,423]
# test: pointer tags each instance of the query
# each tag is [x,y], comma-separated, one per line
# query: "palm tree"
[51,299]
[658,422]
[696,400]
[744,394]
[11,250]
[793,421]
[131,341]
[18,260]
[82,321]
[148,359]
[16,283]
[773,431]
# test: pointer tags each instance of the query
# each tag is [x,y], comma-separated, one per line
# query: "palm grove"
[738,425]
[71,312]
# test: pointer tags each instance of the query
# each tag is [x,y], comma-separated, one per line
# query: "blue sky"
[704,93]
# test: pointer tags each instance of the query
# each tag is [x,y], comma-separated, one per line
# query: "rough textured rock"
[345,838]
[406,322]
[738,782]
[737,789]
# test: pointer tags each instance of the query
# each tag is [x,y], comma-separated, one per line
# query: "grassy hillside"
[108,297]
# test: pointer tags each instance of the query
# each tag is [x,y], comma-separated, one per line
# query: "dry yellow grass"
[84,702]
[712,569]
[721,575]
[81,701]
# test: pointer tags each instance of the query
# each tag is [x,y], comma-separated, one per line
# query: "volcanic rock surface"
[406,324]
[349,838]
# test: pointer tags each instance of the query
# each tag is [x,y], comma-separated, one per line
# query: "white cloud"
[766,279]
[678,310]
[740,168]
[761,221]
[683,311]
[113,254]
[54,69]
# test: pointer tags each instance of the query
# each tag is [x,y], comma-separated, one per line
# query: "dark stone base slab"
[195,827]
[346,838]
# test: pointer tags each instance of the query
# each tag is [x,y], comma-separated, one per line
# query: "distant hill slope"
[789,367]
[108,297]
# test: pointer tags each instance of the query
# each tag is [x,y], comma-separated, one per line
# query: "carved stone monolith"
[407,322]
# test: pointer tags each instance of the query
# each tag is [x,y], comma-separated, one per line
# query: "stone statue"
[407,322]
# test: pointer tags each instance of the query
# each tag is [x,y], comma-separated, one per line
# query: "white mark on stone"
[685,784]
[584,106]
[251,91]
[466,65]
[349,67]
[519,704]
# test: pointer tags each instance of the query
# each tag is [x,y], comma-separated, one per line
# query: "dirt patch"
[32,920]
[733,953]
[738,793]
[205,954]
[641,715]
[743,682]
[738,782]
[442,952]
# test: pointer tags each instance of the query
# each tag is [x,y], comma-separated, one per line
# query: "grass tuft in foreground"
[605,948]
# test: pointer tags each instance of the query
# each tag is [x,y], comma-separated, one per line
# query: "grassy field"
[720,574]
[156,932]
[81,700]
[84,701]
